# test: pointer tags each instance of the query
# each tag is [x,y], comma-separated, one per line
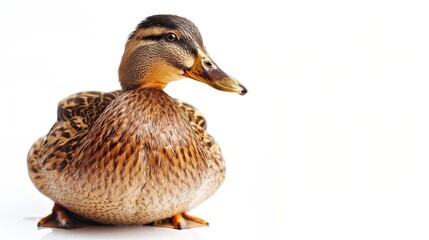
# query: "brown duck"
[136,155]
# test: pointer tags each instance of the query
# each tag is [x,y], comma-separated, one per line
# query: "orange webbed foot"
[181,221]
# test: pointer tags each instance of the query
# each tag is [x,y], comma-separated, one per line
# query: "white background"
[331,142]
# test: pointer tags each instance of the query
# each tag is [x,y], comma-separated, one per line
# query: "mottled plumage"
[135,156]
[127,150]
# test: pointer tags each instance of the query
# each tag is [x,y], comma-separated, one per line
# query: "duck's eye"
[171,37]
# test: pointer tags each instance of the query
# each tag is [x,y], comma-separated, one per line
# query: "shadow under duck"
[136,155]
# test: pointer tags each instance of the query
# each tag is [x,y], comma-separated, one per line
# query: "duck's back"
[127,158]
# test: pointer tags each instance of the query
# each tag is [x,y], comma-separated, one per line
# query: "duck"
[135,156]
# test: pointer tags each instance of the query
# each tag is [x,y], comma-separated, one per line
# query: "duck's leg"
[181,221]
[59,215]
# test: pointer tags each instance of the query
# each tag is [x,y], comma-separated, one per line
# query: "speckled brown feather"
[126,158]
[55,151]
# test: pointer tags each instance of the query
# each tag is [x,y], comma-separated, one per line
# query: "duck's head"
[164,48]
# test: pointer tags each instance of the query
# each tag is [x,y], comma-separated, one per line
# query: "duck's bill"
[205,70]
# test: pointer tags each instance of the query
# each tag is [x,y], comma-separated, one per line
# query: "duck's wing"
[86,105]
[76,114]
[199,125]
[215,160]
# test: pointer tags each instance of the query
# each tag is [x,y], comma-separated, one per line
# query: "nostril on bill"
[208,64]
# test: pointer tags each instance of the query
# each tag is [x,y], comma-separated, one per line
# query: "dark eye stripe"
[181,42]
[152,37]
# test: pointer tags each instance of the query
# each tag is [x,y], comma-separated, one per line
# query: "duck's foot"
[63,218]
[181,221]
